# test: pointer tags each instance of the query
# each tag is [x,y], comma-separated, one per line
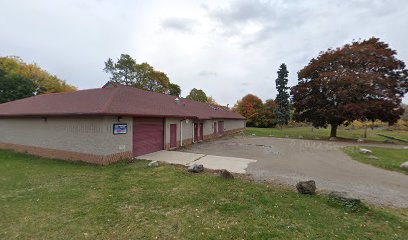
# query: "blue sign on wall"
[120,128]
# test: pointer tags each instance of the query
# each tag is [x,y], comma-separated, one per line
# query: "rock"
[332,139]
[253,134]
[306,187]
[153,164]
[406,147]
[360,140]
[349,203]
[196,168]
[226,174]
[388,141]
[365,151]
[317,138]
[373,157]
[404,165]
[286,136]
[300,136]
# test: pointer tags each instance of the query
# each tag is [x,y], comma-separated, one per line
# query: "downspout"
[181,133]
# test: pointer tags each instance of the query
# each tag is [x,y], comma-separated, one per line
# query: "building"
[107,124]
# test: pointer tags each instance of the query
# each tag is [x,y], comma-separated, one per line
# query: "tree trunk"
[333,131]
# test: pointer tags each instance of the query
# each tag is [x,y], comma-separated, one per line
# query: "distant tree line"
[128,72]
[20,80]
[362,81]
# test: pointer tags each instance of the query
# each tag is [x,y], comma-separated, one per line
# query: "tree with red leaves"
[359,81]
[251,108]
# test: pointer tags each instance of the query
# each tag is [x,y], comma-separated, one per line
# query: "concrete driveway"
[291,160]
[232,164]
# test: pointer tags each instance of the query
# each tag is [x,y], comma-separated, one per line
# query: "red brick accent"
[68,155]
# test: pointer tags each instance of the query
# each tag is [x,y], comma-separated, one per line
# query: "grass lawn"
[388,158]
[51,199]
[322,133]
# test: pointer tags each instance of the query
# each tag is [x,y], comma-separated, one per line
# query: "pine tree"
[282,112]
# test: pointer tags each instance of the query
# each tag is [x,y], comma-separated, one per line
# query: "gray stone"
[349,203]
[388,141]
[360,140]
[365,151]
[373,157]
[404,165]
[196,168]
[226,174]
[332,139]
[406,147]
[153,164]
[300,136]
[306,187]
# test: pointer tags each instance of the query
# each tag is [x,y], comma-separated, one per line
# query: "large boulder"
[306,187]
[365,151]
[153,164]
[349,203]
[404,165]
[196,168]
[226,174]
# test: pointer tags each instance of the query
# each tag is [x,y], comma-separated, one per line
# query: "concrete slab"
[232,164]
[173,157]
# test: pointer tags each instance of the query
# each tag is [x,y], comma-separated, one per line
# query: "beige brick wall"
[230,126]
[88,135]
[233,124]
[89,139]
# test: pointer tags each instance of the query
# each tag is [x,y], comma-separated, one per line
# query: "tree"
[250,106]
[404,116]
[212,101]
[197,95]
[359,81]
[282,111]
[127,72]
[174,89]
[123,71]
[20,80]
[14,87]
[267,116]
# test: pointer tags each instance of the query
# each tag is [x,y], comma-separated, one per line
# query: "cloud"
[205,73]
[236,45]
[184,25]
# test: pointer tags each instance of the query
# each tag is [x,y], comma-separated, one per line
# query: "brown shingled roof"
[113,99]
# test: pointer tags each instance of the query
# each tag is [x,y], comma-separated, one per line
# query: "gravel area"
[291,160]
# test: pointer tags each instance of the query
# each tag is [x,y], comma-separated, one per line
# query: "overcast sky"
[226,48]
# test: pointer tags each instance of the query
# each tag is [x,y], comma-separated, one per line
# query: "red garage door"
[147,135]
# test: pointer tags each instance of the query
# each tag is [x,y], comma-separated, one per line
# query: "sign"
[119,128]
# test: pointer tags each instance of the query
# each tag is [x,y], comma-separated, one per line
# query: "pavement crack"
[195,160]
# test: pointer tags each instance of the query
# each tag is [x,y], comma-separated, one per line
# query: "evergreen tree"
[282,111]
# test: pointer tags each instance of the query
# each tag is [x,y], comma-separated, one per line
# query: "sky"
[226,48]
